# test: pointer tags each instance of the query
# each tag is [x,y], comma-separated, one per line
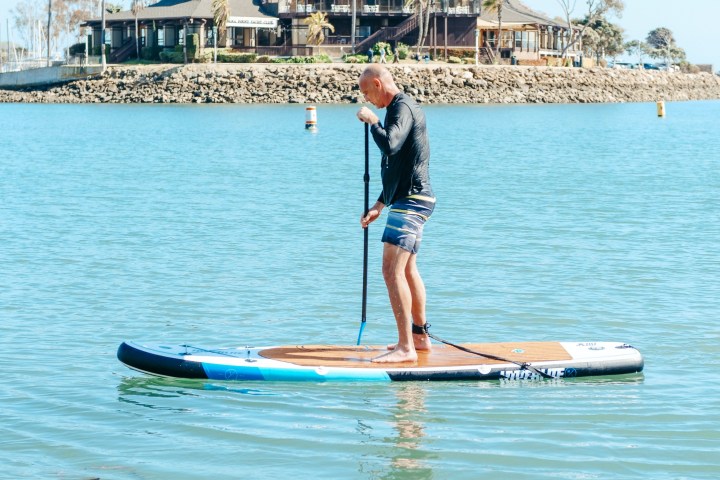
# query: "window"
[518,40]
[506,39]
[491,38]
[531,41]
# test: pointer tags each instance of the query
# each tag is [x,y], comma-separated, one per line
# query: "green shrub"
[322,58]
[236,57]
[403,50]
[150,53]
[357,58]
[77,49]
[455,60]
[193,41]
[264,59]
[461,52]
[172,56]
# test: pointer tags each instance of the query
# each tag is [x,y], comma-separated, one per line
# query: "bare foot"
[395,356]
[421,342]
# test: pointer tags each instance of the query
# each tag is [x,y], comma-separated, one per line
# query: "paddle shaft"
[366,179]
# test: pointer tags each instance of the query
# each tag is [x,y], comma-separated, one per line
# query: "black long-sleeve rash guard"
[404,144]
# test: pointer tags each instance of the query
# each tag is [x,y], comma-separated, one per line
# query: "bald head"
[378,86]
[375,70]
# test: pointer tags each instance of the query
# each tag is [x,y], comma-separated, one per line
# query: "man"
[403,141]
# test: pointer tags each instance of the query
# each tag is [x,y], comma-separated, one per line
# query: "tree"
[497,7]
[66,17]
[637,49]
[595,9]
[317,23]
[422,10]
[221,12]
[135,8]
[602,39]
[662,45]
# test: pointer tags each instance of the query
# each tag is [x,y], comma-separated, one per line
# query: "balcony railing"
[391,6]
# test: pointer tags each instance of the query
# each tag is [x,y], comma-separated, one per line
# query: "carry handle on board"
[366,179]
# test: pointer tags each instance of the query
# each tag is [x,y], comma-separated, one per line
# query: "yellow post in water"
[661,108]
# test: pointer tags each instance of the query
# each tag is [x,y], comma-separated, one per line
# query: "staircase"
[389,34]
[125,51]
[487,55]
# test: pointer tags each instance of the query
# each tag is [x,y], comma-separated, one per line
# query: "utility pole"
[102,38]
[48,31]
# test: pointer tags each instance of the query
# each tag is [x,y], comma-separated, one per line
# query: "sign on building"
[252,22]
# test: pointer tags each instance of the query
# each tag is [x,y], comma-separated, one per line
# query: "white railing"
[340,8]
[371,8]
[459,10]
[26,65]
[304,8]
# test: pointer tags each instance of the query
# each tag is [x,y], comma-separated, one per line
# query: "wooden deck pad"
[441,355]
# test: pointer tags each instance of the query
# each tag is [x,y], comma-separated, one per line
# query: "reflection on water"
[409,454]
[142,391]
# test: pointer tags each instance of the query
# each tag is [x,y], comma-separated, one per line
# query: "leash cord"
[522,365]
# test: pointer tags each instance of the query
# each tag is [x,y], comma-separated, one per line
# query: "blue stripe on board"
[230,372]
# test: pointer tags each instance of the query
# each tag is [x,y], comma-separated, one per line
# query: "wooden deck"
[441,355]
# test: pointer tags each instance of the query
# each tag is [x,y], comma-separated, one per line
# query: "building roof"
[517,13]
[180,9]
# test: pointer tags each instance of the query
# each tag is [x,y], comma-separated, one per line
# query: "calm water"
[231,225]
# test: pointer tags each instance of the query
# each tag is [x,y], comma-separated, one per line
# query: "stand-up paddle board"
[319,363]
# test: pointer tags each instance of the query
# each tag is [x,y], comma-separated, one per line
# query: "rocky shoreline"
[337,83]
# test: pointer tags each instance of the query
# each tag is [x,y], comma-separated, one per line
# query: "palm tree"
[496,6]
[136,6]
[317,23]
[422,10]
[221,12]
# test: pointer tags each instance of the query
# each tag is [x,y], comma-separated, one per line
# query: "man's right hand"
[372,214]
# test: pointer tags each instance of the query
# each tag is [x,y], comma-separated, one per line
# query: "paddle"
[366,178]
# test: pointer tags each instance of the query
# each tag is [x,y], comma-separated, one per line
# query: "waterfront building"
[277,27]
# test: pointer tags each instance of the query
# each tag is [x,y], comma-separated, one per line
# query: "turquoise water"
[231,225]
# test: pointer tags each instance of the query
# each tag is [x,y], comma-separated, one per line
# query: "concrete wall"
[47,75]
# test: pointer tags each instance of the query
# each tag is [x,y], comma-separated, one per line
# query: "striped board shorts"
[406,220]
